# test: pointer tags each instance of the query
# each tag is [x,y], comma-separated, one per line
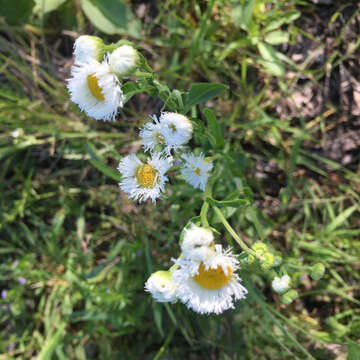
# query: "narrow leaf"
[99,163]
[214,127]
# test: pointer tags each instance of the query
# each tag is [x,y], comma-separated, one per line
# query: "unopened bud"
[317,271]
[289,296]
[124,60]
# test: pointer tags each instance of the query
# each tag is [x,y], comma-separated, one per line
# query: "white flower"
[161,287]
[143,181]
[151,135]
[16,133]
[171,130]
[96,90]
[196,170]
[123,61]
[88,47]
[280,285]
[210,286]
[197,244]
[176,129]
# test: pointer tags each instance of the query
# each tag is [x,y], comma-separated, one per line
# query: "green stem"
[203,212]
[256,222]
[205,206]
[233,233]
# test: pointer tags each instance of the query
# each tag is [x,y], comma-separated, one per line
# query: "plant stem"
[256,222]
[233,233]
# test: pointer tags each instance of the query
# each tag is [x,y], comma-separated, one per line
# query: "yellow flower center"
[160,137]
[93,84]
[172,127]
[197,171]
[145,176]
[212,279]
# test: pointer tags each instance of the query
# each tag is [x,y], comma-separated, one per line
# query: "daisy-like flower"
[152,134]
[209,286]
[96,90]
[197,244]
[196,170]
[280,285]
[144,181]
[161,286]
[176,129]
[88,47]
[171,130]
[124,60]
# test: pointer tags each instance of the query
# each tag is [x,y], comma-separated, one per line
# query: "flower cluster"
[161,137]
[95,85]
[203,278]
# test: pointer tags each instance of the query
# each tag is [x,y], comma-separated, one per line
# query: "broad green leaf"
[200,93]
[16,12]
[45,6]
[270,60]
[241,14]
[277,37]
[99,163]
[112,17]
[214,127]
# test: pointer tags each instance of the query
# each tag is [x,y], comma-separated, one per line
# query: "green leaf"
[340,219]
[200,93]
[270,60]
[286,18]
[99,163]
[51,344]
[214,127]
[44,6]
[277,37]
[237,203]
[132,88]
[112,17]
[353,352]
[241,14]
[16,12]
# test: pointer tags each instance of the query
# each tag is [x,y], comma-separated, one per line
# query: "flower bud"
[280,285]
[247,259]
[198,243]
[268,261]
[260,247]
[289,297]
[88,47]
[124,60]
[161,286]
[317,271]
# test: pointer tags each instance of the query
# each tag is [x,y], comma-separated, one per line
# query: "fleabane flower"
[144,181]
[210,286]
[151,134]
[95,89]
[280,285]
[171,131]
[124,60]
[87,48]
[197,244]
[176,130]
[161,287]
[196,170]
